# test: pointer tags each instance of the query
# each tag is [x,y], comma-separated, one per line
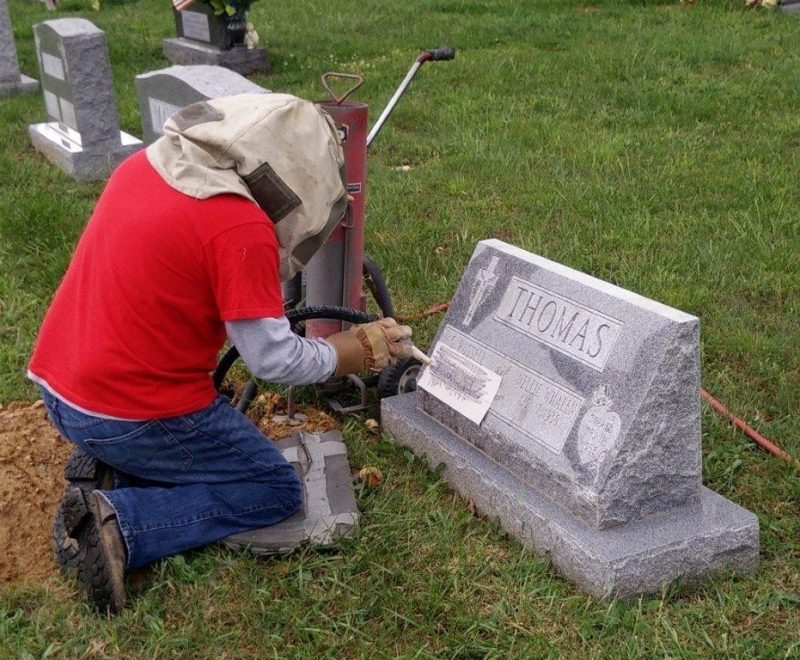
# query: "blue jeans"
[184,482]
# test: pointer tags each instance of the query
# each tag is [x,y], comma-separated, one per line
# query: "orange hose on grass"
[715,404]
[745,428]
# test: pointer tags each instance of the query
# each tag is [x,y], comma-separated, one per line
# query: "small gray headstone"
[203,38]
[81,134]
[569,409]
[329,507]
[162,93]
[790,6]
[11,80]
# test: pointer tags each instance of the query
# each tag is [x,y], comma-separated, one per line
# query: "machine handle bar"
[436,54]
[441,54]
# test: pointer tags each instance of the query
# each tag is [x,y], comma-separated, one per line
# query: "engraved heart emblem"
[598,430]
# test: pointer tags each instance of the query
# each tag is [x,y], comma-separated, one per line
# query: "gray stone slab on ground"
[179,50]
[790,6]
[641,557]
[81,134]
[162,93]
[583,391]
[329,509]
[11,80]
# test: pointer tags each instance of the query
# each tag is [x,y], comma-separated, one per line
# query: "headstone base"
[329,510]
[25,85]
[625,561]
[790,6]
[81,164]
[242,60]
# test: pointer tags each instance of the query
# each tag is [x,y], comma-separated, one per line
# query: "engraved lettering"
[516,302]
[551,304]
[561,331]
[581,334]
[599,340]
[570,327]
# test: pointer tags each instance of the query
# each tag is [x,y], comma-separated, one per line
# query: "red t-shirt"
[138,320]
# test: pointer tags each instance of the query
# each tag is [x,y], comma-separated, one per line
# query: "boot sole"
[83,473]
[95,583]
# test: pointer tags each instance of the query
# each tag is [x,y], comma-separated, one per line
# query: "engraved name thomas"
[571,328]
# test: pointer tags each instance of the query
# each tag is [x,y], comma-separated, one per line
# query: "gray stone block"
[80,164]
[598,404]
[82,133]
[329,509]
[24,85]
[162,93]
[242,60]
[640,557]
[11,80]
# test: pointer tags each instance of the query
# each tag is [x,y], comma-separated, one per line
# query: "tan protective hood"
[278,150]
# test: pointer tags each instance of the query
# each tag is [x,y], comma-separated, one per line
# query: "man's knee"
[286,488]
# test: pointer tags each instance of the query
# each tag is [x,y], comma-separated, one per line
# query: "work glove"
[373,346]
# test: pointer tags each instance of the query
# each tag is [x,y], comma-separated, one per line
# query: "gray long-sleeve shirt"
[274,353]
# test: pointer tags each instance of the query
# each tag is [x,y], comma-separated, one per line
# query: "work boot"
[84,473]
[102,558]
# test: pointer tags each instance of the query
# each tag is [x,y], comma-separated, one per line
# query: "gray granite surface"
[329,509]
[685,544]
[11,80]
[598,407]
[162,93]
[242,60]
[81,134]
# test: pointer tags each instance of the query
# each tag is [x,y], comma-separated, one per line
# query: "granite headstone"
[11,80]
[790,6]
[81,134]
[162,93]
[205,38]
[569,409]
[329,510]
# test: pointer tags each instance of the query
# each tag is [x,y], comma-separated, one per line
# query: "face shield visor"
[299,237]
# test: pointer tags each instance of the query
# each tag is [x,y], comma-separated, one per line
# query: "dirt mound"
[32,457]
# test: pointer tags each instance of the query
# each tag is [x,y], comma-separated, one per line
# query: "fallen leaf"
[370,476]
[373,426]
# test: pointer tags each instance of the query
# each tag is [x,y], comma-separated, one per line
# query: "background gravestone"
[11,80]
[569,409]
[790,6]
[162,93]
[329,508]
[205,38]
[81,134]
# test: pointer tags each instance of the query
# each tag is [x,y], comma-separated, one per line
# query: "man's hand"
[180,5]
[374,346]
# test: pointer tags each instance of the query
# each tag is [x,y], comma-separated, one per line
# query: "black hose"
[373,276]
[295,317]
[248,394]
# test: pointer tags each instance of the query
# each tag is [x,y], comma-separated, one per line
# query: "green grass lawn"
[651,144]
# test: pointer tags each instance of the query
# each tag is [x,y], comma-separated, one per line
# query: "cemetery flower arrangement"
[229,7]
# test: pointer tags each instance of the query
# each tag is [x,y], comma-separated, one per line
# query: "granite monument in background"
[569,409]
[81,134]
[162,93]
[207,38]
[11,80]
